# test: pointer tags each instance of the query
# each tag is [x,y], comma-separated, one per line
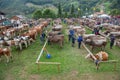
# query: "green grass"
[73,66]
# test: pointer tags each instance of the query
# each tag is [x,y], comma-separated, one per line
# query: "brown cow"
[52,33]
[101,56]
[6,52]
[38,29]
[56,39]
[31,33]
[96,41]
[118,42]
[79,30]
[57,28]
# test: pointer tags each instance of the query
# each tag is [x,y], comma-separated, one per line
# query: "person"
[71,34]
[73,40]
[42,37]
[79,40]
[96,31]
[112,40]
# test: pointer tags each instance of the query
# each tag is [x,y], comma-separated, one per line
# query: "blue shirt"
[71,32]
[80,39]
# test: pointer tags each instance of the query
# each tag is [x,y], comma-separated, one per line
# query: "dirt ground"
[73,75]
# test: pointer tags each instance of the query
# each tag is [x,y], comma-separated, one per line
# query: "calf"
[6,52]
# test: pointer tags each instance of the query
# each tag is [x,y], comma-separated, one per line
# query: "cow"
[87,36]
[31,33]
[96,41]
[79,30]
[115,33]
[3,43]
[45,23]
[52,33]
[56,39]
[118,42]
[18,41]
[38,29]
[6,52]
[57,28]
[100,56]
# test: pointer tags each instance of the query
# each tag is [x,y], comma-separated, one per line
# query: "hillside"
[26,7]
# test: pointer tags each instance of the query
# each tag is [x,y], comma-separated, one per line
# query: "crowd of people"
[72,38]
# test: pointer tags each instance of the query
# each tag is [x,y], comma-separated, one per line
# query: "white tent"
[104,16]
[90,16]
[83,16]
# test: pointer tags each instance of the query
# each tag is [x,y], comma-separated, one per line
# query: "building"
[17,20]
[2,15]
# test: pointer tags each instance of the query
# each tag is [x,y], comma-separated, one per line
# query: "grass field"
[73,66]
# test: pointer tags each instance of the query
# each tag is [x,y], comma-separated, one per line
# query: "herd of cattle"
[56,35]
[100,41]
[20,37]
[25,35]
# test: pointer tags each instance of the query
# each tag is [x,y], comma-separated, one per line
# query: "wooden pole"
[115,66]
[109,61]
[38,66]
[41,51]
[50,63]
[58,67]
[89,51]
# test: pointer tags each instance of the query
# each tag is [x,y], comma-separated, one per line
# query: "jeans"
[79,44]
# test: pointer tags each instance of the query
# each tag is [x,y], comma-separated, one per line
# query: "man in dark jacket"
[79,40]
[42,37]
[73,40]
[71,34]
[112,40]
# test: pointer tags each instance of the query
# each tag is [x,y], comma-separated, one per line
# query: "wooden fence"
[98,66]
[39,62]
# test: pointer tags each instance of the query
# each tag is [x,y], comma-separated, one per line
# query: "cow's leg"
[61,44]
[49,42]
[20,46]
[35,35]
[115,43]
[28,42]
[25,44]
[11,56]
[7,57]
[92,48]
[32,40]
[0,59]
[102,48]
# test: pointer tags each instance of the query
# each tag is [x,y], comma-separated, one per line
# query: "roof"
[18,17]
[1,13]
[15,18]
[2,20]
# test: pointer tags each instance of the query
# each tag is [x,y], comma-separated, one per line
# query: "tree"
[37,14]
[72,10]
[59,10]
[115,4]
[48,13]
[115,12]
[79,12]
[115,8]
[65,15]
